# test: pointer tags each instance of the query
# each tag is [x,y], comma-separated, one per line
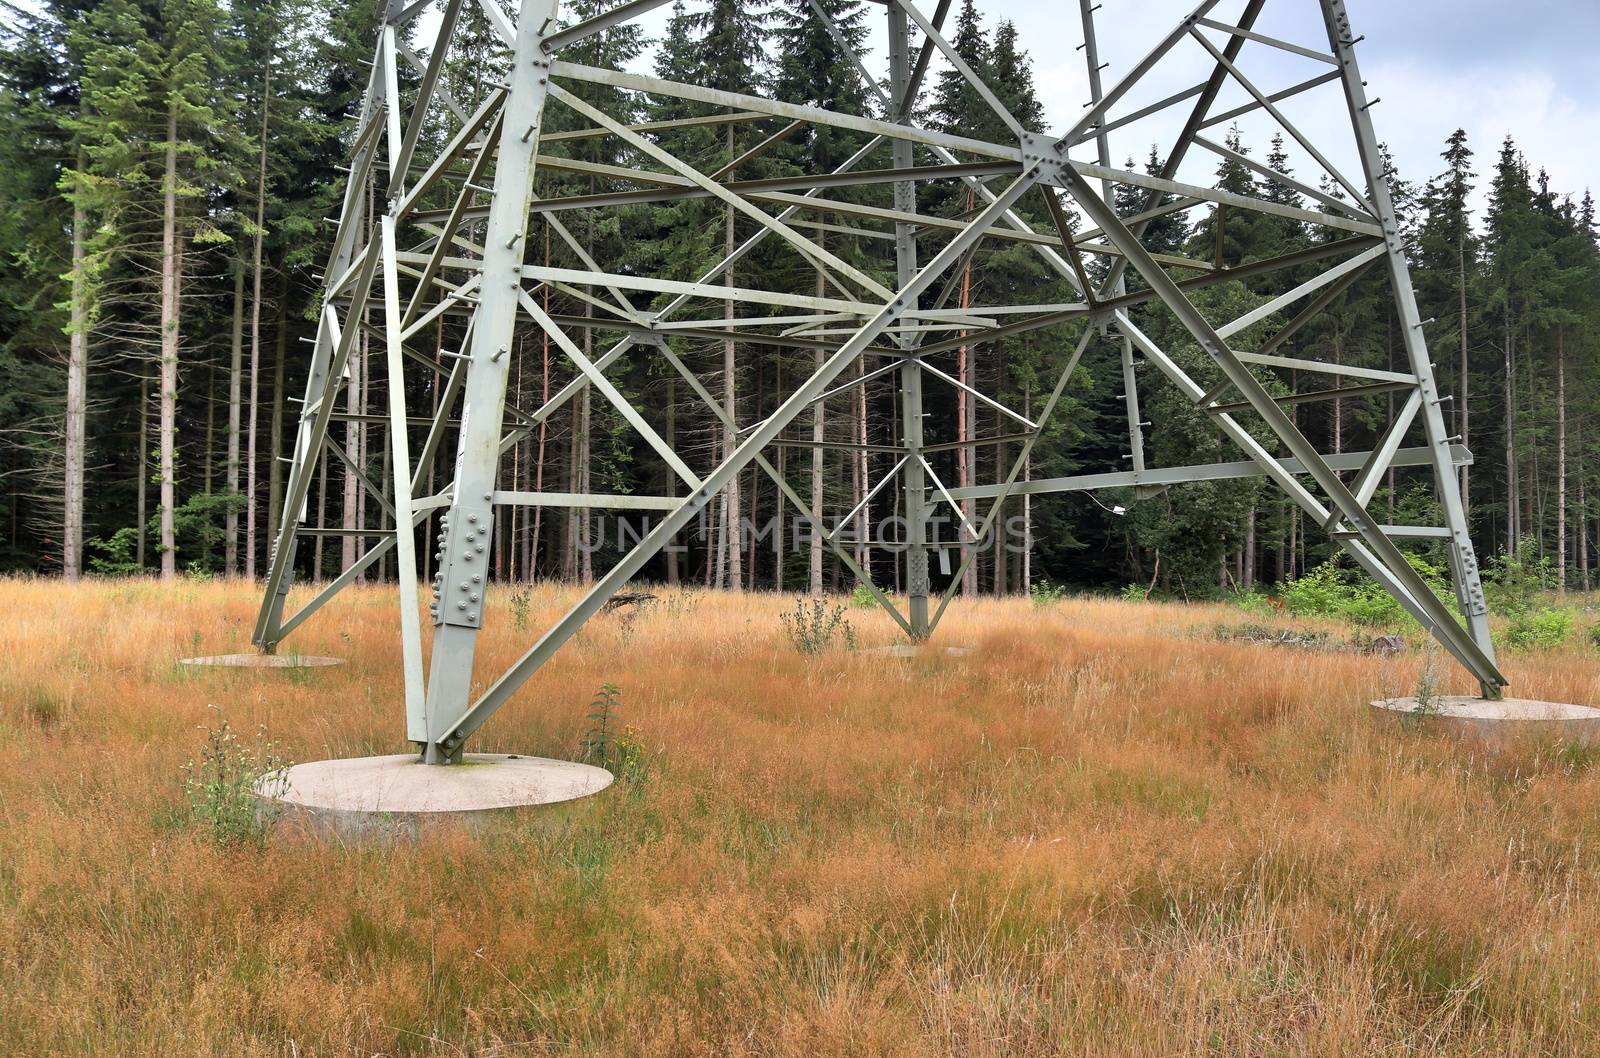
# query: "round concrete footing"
[1499,722]
[263,661]
[365,793]
[917,650]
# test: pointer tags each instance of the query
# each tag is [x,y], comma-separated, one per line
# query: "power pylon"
[452,190]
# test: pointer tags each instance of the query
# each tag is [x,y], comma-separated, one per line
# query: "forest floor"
[1105,831]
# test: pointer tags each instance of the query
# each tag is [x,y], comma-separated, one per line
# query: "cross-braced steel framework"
[450,241]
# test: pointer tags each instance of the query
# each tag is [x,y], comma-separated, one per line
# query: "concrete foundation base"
[263,661]
[917,650]
[1499,722]
[366,793]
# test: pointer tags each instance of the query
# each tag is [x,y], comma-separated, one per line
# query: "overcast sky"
[1489,66]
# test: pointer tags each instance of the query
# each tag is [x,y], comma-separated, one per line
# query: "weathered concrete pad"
[1497,723]
[264,661]
[365,793]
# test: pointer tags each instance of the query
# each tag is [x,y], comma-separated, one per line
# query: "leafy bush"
[1331,591]
[1539,629]
[230,788]
[813,626]
[197,526]
[862,597]
[116,553]
[1514,580]
[1135,593]
[1046,594]
[1254,603]
[1349,594]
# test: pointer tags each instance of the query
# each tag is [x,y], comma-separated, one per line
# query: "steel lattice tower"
[450,241]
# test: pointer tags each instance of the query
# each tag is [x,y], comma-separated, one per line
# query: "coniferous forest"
[171,168]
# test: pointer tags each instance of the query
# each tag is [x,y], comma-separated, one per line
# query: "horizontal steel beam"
[1163,476]
[793,111]
[604,502]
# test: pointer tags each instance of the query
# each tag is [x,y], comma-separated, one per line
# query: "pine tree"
[1447,259]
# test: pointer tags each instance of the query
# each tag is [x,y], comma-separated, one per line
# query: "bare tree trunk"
[569,554]
[965,455]
[818,424]
[1027,504]
[1338,405]
[211,432]
[1461,295]
[585,526]
[1002,567]
[671,477]
[427,521]
[544,398]
[171,280]
[1248,573]
[235,382]
[1582,521]
[384,478]
[778,506]
[275,429]
[352,449]
[142,508]
[1295,566]
[753,494]
[1513,498]
[853,456]
[1561,460]
[730,431]
[322,519]
[75,446]
[508,540]
[255,339]
[864,518]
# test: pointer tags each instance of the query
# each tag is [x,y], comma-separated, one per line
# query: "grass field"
[1104,832]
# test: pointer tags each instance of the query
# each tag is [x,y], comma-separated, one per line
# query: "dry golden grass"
[1102,833]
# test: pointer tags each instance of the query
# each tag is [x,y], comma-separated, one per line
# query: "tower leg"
[467,524]
[905,255]
[1463,560]
[327,367]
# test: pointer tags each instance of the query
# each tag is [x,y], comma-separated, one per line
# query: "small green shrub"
[862,598]
[1428,702]
[1539,629]
[813,626]
[230,786]
[1045,594]
[1134,593]
[619,751]
[597,743]
[1514,580]
[1349,594]
[1253,603]
[114,556]
[521,602]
